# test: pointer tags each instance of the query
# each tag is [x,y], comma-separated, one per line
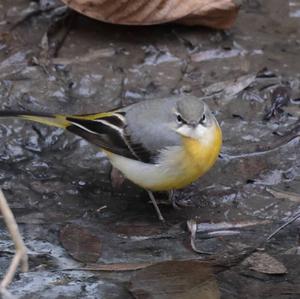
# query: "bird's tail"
[104,129]
[56,120]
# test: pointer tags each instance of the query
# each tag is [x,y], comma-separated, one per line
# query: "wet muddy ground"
[59,188]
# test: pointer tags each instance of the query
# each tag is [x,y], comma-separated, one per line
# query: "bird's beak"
[193,124]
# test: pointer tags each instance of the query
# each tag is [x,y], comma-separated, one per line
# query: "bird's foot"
[180,200]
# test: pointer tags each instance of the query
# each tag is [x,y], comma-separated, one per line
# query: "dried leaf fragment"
[118,267]
[264,263]
[280,194]
[80,243]
[217,14]
[190,279]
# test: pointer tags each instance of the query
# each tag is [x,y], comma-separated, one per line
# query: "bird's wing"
[108,131]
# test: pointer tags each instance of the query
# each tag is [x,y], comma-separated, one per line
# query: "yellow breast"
[197,157]
[178,166]
[200,156]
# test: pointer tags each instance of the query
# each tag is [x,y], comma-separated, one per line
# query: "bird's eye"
[202,120]
[179,118]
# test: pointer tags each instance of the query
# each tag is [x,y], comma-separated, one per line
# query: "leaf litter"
[264,263]
[176,279]
[217,230]
[80,243]
[280,194]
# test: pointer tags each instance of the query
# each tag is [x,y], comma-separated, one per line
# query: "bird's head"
[194,119]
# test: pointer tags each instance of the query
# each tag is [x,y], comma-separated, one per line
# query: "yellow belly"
[177,167]
[197,158]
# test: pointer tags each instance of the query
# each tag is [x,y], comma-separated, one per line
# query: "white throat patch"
[199,133]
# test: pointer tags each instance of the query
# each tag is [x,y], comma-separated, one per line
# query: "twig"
[280,194]
[20,256]
[192,226]
[283,226]
[290,136]
[118,267]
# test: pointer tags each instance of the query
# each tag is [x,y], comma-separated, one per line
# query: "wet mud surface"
[59,186]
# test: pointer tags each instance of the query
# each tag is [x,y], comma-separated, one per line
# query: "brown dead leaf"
[138,229]
[207,290]
[217,14]
[281,290]
[264,263]
[114,267]
[80,243]
[191,279]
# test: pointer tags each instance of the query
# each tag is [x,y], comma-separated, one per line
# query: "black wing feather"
[109,133]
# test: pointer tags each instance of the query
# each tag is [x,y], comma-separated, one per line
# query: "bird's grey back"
[150,122]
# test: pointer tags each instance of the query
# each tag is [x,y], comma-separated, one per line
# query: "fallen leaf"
[229,88]
[191,279]
[220,53]
[138,229]
[92,55]
[264,263]
[113,267]
[205,230]
[280,97]
[217,14]
[207,290]
[215,226]
[80,243]
[281,290]
[280,194]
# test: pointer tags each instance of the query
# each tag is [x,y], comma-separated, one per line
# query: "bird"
[159,144]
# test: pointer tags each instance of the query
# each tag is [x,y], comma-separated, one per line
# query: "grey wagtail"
[160,144]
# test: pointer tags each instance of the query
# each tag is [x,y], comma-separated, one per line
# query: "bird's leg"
[179,200]
[172,199]
[160,216]
[20,256]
